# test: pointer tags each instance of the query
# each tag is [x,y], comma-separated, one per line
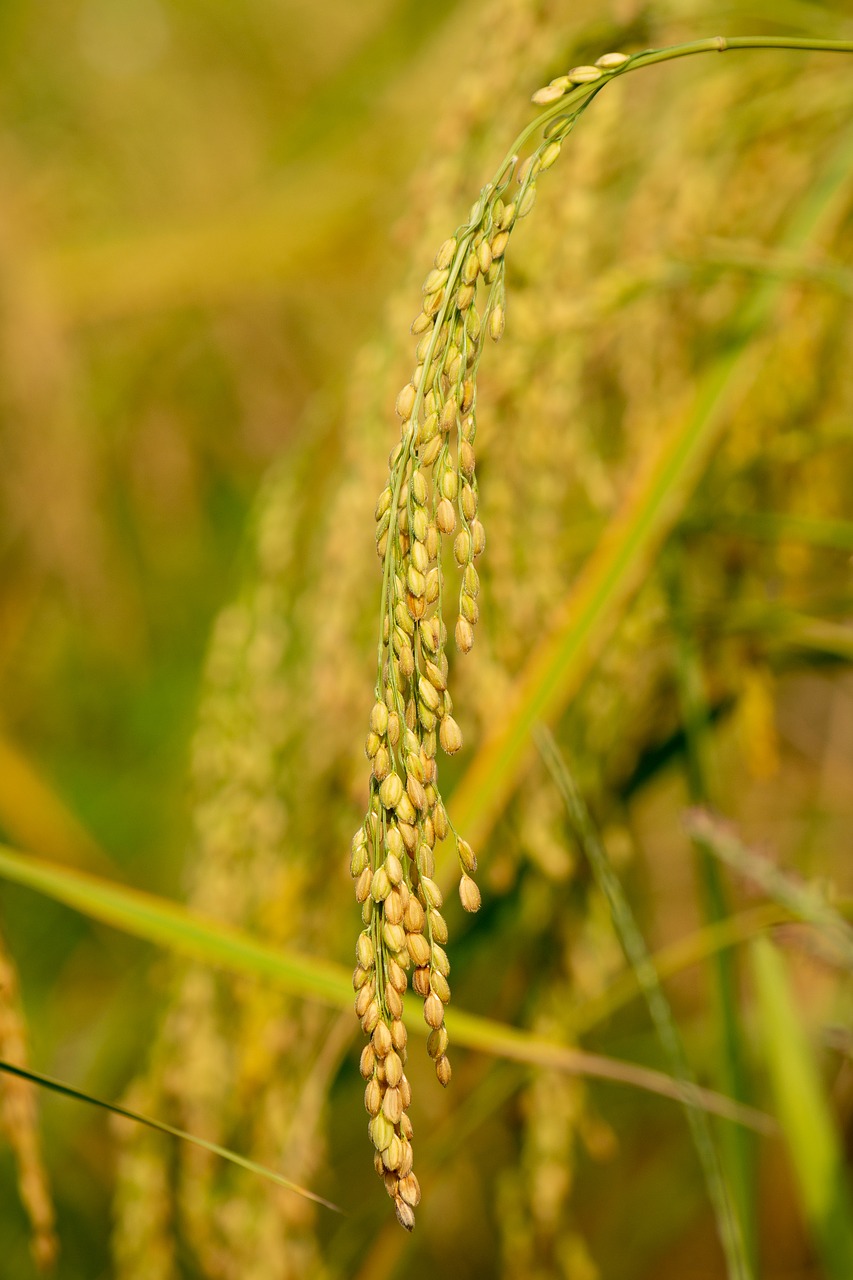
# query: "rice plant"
[659,452]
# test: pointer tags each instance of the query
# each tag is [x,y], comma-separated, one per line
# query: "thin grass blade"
[67,1091]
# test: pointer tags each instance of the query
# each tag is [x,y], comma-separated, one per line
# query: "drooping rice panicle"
[432,495]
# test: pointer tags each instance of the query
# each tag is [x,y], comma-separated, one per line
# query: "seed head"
[610,61]
[371,1018]
[527,201]
[379,719]
[362,885]
[364,951]
[426,860]
[410,836]
[437,1042]
[415,919]
[381,1131]
[391,791]
[450,735]
[439,927]
[418,948]
[462,547]
[398,1039]
[549,155]
[449,484]
[444,257]
[367,1062]
[467,856]
[405,810]
[448,416]
[405,1213]
[445,516]
[405,402]
[393,909]
[393,1153]
[381,764]
[440,986]
[545,96]
[430,452]
[397,976]
[584,75]
[420,981]
[469,894]
[420,491]
[393,1002]
[381,1040]
[394,936]
[373,1097]
[393,1069]
[393,868]
[429,892]
[392,1104]
[409,1190]
[380,885]
[365,994]
[436,278]
[416,792]
[433,1010]
[430,634]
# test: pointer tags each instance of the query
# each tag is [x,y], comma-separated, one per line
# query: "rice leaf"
[810,1132]
[168,924]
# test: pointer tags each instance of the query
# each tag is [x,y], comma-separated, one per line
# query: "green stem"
[712,44]
[739,1157]
[725,1207]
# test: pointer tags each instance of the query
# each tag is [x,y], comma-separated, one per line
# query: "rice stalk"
[19,1122]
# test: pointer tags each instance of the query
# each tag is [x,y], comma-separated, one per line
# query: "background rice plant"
[201,218]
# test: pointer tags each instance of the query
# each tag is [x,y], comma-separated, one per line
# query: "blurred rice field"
[214,222]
